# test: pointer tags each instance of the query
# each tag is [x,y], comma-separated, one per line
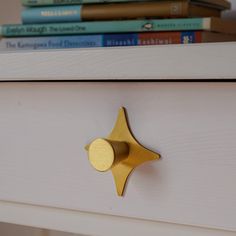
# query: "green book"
[221,4]
[124,26]
[32,3]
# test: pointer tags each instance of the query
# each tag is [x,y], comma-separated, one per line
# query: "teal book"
[125,26]
[55,14]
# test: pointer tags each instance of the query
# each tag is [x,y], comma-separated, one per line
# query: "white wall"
[10,11]
[231,14]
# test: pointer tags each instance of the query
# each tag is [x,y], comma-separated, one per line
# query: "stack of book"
[49,24]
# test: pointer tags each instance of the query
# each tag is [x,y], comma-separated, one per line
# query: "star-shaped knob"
[119,152]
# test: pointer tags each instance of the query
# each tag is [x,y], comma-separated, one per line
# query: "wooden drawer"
[45,126]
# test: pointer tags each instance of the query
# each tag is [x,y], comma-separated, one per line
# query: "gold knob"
[119,152]
[105,154]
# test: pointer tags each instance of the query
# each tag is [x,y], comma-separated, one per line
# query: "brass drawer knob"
[119,152]
[105,154]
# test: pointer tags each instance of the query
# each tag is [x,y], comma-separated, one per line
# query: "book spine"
[32,3]
[102,27]
[138,10]
[219,4]
[99,12]
[183,37]
[36,3]
[100,40]
[43,15]
[40,43]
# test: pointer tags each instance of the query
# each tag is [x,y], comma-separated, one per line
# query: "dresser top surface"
[213,61]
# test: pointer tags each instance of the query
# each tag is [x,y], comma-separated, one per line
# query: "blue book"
[65,42]
[42,43]
[111,40]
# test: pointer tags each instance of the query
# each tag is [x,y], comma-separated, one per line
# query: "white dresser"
[181,103]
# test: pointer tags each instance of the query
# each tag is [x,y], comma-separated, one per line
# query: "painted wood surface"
[45,126]
[94,224]
[166,62]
